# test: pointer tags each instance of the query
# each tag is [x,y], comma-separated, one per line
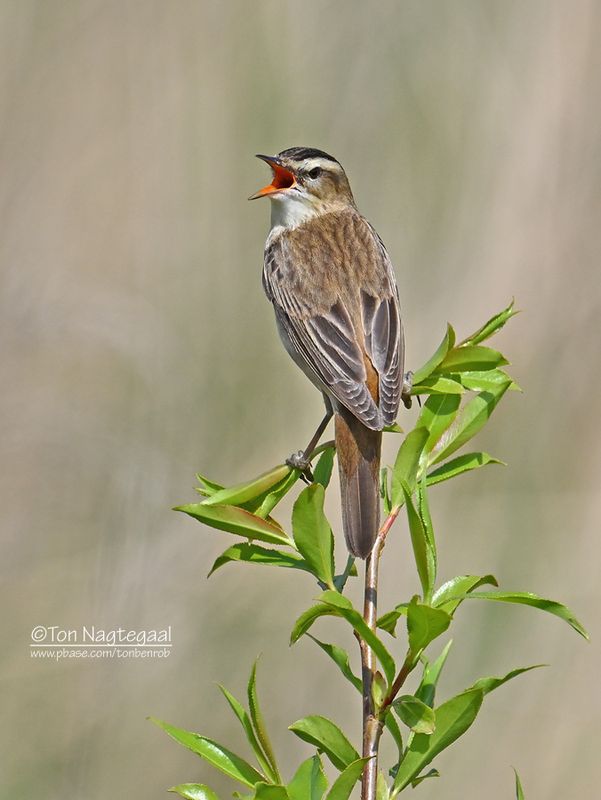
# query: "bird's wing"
[336,305]
[384,340]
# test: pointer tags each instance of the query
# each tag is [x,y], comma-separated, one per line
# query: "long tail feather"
[358,452]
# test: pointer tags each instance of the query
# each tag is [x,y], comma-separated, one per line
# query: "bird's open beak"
[282,178]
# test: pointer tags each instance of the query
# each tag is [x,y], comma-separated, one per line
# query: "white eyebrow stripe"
[324,163]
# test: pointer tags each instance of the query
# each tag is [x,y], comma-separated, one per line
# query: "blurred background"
[138,348]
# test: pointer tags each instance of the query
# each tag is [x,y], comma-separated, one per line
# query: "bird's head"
[306,182]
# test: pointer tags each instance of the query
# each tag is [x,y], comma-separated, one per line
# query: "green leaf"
[269,791]
[519,792]
[394,428]
[392,726]
[529,599]
[379,689]
[323,469]
[309,782]
[312,533]
[254,554]
[415,714]
[472,417]
[342,606]
[487,685]
[213,753]
[430,365]
[207,487]
[325,735]
[459,465]
[345,782]
[237,520]
[424,557]
[385,490]
[453,718]
[486,380]
[243,492]
[469,358]
[341,658]
[387,622]
[382,788]
[407,462]
[437,384]
[259,723]
[436,416]
[194,791]
[492,326]
[426,691]
[424,624]
[459,586]
[433,773]
[245,721]
[263,505]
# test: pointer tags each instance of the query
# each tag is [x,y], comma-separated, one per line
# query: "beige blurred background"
[138,348]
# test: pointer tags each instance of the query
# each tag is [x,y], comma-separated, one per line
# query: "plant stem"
[372,721]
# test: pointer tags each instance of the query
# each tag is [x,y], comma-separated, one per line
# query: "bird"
[334,293]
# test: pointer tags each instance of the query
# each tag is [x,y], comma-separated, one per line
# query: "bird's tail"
[358,452]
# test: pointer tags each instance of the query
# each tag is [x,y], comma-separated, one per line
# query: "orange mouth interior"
[282,179]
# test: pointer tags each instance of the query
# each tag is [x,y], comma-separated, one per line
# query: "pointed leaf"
[247,726]
[471,358]
[194,791]
[312,533]
[309,782]
[343,607]
[325,735]
[453,718]
[529,599]
[407,462]
[415,714]
[472,417]
[437,358]
[485,380]
[459,465]
[323,469]
[345,782]
[424,624]
[519,792]
[424,560]
[263,505]
[492,326]
[254,554]
[341,658]
[426,690]
[387,622]
[462,584]
[433,773]
[213,753]
[237,520]
[438,384]
[382,792]
[207,487]
[487,685]
[392,726]
[243,492]
[436,416]
[259,723]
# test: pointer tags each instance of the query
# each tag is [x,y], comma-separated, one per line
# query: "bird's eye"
[314,173]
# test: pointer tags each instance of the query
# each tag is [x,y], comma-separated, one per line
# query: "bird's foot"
[301,462]
[406,389]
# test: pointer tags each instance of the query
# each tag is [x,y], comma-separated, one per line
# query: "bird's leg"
[301,460]
[406,389]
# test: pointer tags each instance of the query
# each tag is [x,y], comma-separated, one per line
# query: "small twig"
[372,720]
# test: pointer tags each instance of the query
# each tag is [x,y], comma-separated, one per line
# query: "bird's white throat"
[290,211]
